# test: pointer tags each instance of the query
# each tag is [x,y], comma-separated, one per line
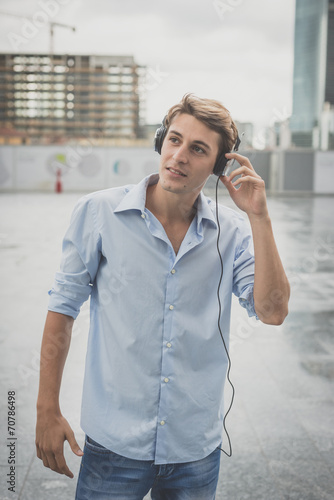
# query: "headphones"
[221,163]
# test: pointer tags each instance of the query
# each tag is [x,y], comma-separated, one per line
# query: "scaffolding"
[55,98]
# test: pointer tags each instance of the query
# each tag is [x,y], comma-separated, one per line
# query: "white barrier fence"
[81,168]
[35,168]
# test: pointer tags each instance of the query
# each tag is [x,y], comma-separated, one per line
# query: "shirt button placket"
[167,363]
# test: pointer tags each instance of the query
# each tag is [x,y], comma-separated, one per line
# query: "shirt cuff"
[246,300]
[63,305]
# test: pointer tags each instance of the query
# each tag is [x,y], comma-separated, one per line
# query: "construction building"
[56,98]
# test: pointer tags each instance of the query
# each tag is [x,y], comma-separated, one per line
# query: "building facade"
[313,79]
[50,99]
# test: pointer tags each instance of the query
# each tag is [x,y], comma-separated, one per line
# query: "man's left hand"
[250,196]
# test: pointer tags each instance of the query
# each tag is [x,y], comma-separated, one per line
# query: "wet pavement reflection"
[282,421]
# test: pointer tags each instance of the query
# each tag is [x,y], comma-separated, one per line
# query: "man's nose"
[181,154]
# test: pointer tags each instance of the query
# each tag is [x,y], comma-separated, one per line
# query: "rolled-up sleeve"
[81,253]
[243,270]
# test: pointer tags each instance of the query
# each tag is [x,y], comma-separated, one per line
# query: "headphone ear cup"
[160,135]
[220,165]
[222,161]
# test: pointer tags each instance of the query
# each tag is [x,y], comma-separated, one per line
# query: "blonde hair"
[212,113]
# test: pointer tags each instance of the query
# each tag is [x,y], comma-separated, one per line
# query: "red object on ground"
[59,185]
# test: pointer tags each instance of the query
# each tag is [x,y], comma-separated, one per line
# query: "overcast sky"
[237,51]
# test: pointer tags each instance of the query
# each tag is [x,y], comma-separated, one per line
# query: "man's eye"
[198,149]
[174,140]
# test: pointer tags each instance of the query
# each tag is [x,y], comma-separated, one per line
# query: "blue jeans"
[105,475]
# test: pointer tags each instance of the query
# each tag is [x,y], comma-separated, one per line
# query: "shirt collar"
[204,210]
[135,196]
[135,199]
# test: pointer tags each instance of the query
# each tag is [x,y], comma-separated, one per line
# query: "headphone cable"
[229,454]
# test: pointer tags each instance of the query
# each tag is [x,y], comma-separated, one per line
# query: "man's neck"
[171,208]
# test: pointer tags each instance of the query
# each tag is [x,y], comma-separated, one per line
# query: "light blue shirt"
[156,365]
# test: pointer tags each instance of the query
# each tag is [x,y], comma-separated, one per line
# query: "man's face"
[188,155]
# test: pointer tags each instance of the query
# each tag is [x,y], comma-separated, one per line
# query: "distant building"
[278,135]
[55,98]
[313,79]
[246,131]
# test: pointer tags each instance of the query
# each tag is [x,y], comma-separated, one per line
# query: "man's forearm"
[271,286]
[52,429]
[55,346]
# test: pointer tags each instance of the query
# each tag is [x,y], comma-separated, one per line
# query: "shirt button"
[171,307]
[162,422]
[169,344]
[166,380]
[143,216]
[173,271]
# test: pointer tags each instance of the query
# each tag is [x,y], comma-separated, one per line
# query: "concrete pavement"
[281,424]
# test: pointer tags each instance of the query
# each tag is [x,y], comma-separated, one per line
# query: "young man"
[152,405]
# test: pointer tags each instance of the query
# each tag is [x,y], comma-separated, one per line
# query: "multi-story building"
[55,98]
[313,79]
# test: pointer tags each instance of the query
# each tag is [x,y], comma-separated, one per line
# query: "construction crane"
[61,25]
[50,23]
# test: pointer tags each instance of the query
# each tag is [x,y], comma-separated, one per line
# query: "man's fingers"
[245,178]
[68,473]
[51,462]
[227,183]
[255,181]
[73,444]
[62,467]
[56,462]
[50,437]
[231,183]
[45,460]
[243,170]
[242,160]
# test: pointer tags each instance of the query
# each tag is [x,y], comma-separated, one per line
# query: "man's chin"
[173,189]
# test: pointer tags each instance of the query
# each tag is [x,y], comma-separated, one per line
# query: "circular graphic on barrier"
[57,163]
[121,167]
[89,165]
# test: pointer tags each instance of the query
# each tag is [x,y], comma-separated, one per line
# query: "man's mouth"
[176,172]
